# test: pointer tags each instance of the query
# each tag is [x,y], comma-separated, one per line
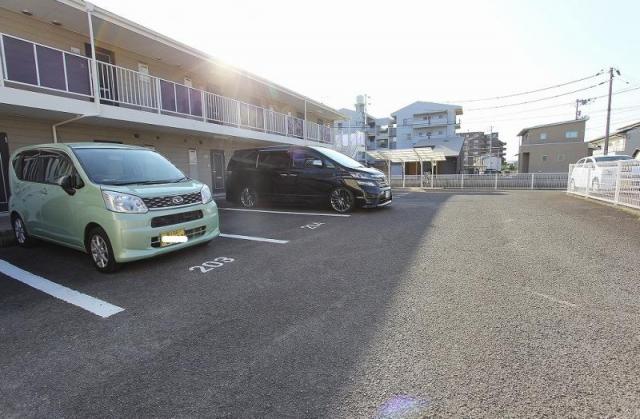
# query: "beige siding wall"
[204,75]
[558,157]
[26,131]
[555,133]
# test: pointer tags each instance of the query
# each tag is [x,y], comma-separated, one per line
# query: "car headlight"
[122,202]
[205,192]
[367,183]
[358,175]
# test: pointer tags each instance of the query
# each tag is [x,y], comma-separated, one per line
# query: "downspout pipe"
[54,127]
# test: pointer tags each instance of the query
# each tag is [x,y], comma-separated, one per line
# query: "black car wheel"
[342,200]
[20,232]
[248,197]
[101,252]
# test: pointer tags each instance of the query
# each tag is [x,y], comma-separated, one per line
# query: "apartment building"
[477,147]
[625,141]
[431,125]
[72,71]
[551,148]
[378,132]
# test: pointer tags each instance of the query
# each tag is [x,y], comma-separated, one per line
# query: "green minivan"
[117,203]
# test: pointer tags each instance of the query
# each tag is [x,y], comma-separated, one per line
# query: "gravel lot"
[447,304]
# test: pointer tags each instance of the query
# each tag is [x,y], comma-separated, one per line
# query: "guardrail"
[497,181]
[616,182]
[33,65]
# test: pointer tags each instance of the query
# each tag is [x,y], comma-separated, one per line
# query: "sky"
[402,51]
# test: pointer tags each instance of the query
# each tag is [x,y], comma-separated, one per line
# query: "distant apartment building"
[62,81]
[431,125]
[625,141]
[551,148]
[480,147]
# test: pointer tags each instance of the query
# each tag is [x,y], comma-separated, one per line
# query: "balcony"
[35,67]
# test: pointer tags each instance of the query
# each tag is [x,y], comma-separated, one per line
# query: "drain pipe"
[54,127]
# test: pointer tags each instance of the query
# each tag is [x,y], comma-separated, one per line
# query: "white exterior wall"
[409,129]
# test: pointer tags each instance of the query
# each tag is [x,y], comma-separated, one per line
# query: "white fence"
[489,181]
[617,182]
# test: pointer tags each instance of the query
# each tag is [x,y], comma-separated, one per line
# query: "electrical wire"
[555,86]
[540,99]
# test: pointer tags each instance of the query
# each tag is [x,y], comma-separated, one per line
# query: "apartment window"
[420,133]
[440,132]
[543,135]
[571,134]
[404,122]
[339,124]
[562,157]
[545,158]
[408,136]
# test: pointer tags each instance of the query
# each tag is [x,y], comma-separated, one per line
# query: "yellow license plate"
[173,237]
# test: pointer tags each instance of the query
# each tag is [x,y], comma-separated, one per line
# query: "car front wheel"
[20,232]
[342,200]
[101,252]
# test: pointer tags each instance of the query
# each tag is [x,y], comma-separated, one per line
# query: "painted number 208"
[212,264]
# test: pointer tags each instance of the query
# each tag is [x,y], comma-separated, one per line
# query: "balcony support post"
[94,64]
[304,123]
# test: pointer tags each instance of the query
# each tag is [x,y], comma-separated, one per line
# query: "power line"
[555,86]
[539,100]
[566,103]
[487,120]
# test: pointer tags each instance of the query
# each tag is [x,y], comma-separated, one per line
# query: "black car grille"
[191,234]
[172,200]
[183,217]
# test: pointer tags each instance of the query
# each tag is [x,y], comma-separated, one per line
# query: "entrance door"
[107,76]
[217,170]
[4,172]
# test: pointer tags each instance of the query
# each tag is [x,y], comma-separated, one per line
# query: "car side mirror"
[68,183]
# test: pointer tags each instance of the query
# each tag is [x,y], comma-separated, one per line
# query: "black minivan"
[295,173]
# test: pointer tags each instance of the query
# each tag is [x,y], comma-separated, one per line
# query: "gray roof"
[450,147]
[429,106]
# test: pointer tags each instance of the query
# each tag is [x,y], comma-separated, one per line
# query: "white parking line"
[255,239]
[286,212]
[555,300]
[91,304]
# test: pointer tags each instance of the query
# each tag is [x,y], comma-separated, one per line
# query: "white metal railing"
[496,181]
[30,64]
[617,182]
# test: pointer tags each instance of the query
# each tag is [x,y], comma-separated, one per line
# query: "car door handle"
[292,174]
[284,174]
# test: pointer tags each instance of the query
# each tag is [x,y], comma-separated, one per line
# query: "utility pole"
[606,135]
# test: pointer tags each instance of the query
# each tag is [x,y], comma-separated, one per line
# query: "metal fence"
[33,65]
[490,181]
[617,182]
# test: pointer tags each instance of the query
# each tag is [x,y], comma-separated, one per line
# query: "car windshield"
[611,158]
[339,158]
[125,166]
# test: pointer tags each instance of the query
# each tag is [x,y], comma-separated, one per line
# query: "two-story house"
[624,141]
[433,125]
[72,71]
[551,148]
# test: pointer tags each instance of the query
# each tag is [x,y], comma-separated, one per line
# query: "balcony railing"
[32,65]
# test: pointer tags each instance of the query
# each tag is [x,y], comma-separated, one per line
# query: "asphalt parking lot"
[446,304]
